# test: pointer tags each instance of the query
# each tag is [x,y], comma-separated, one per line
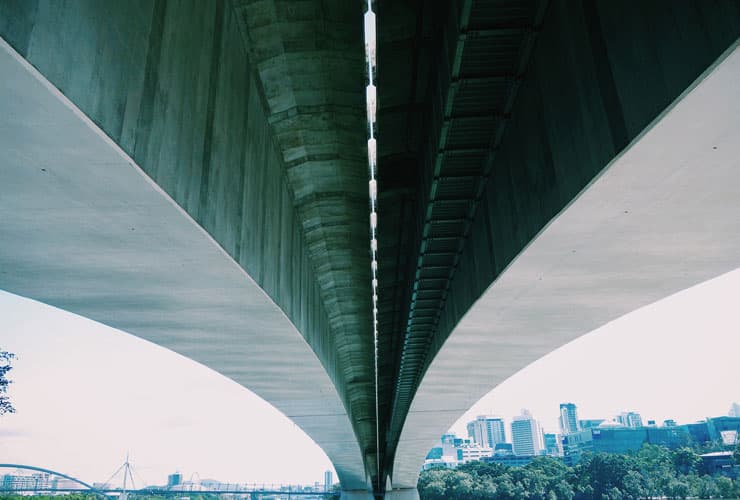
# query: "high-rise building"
[734,410]
[630,419]
[553,445]
[569,418]
[174,479]
[526,435]
[328,480]
[487,431]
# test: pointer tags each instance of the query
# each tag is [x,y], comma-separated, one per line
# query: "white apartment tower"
[526,435]
[487,431]
[569,418]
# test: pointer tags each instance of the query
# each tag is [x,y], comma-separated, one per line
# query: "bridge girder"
[493,116]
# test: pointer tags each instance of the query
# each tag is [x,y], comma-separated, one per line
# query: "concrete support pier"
[402,494]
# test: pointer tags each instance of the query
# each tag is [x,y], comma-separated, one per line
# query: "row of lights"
[372,157]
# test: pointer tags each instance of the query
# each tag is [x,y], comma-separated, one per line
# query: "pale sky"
[677,358]
[87,394]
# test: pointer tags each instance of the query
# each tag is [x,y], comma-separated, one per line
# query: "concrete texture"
[149,84]
[249,117]
[661,218]
[309,61]
[472,197]
[199,94]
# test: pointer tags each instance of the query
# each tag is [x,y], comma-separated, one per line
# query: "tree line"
[652,472]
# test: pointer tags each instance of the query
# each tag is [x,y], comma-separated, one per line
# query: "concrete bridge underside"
[194,173]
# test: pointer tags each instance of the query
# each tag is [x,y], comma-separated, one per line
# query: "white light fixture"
[372,158]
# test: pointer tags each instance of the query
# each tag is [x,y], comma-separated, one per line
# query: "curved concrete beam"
[85,230]
[662,217]
[309,61]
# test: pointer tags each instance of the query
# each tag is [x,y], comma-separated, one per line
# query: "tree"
[726,487]
[5,366]
[686,460]
[635,485]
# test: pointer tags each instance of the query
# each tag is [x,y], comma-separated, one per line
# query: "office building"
[630,419]
[526,435]
[575,445]
[328,480]
[503,449]
[590,423]
[469,452]
[487,431]
[568,418]
[553,445]
[725,429]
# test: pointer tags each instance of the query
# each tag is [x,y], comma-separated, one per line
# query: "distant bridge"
[227,489]
[170,492]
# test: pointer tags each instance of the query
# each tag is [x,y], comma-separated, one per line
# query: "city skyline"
[161,440]
[628,419]
[624,434]
[647,360]
[623,419]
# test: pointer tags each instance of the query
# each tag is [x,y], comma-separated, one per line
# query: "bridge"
[369,214]
[253,490]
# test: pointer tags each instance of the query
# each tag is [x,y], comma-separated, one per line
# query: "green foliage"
[5,366]
[686,460]
[652,472]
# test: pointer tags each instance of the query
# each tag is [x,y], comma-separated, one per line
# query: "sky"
[677,358]
[86,394]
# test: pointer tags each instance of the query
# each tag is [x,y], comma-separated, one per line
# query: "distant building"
[734,410]
[174,479]
[487,431]
[526,435]
[569,418]
[454,450]
[328,480]
[575,444]
[590,423]
[469,452]
[503,449]
[440,463]
[669,423]
[510,460]
[672,436]
[698,432]
[553,445]
[630,419]
[725,429]
[450,443]
[721,462]
[609,439]
[35,481]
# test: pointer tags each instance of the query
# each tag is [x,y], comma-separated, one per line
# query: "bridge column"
[402,494]
[356,495]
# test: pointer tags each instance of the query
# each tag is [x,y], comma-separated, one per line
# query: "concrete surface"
[661,218]
[87,231]
[248,116]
